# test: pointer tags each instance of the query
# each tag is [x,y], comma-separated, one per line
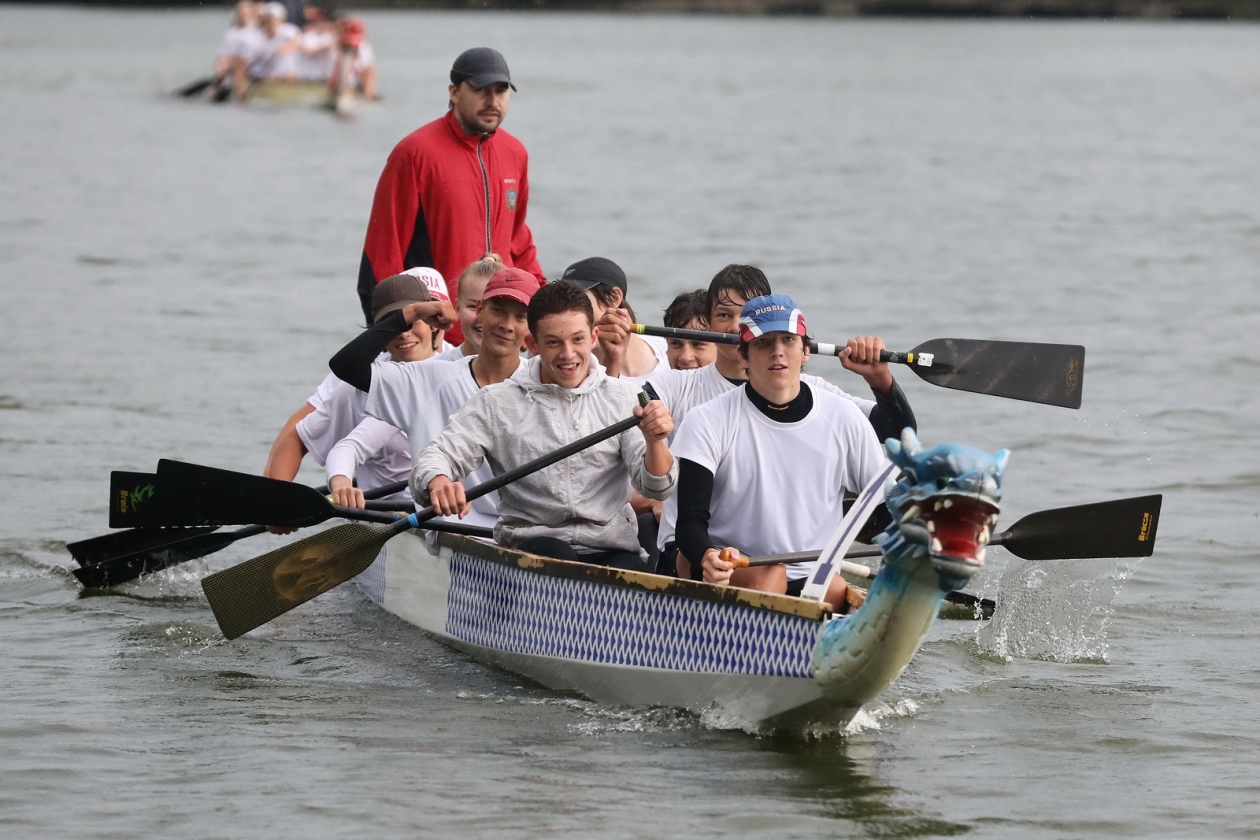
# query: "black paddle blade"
[250,594]
[986,605]
[1051,374]
[112,546]
[128,567]
[197,495]
[1120,528]
[193,88]
[134,501]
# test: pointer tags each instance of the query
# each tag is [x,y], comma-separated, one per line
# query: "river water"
[174,276]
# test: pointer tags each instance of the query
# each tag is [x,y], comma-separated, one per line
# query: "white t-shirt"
[660,347]
[240,42]
[361,59]
[375,453]
[451,352]
[448,399]
[364,58]
[683,390]
[402,390]
[779,487]
[265,60]
[338,408]
[317,55]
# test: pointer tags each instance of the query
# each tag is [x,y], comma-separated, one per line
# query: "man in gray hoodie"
[579,508]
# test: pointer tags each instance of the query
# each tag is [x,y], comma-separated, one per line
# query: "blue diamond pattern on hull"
[372,581]
[511,609]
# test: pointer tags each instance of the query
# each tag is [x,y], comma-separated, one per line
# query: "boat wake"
[1057,611]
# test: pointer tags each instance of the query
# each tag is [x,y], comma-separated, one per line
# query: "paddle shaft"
[1050,374]
[854,568]
[109,562]
[503,480]
[986,605]
[131,566]
[109,547]
[1116,528]
[815,346]
[252,593]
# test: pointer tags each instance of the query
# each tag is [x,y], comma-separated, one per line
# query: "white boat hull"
[617,637]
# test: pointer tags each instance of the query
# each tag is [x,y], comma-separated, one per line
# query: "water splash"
[873,718]
[1056,611]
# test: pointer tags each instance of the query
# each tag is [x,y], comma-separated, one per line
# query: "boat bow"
[944,507]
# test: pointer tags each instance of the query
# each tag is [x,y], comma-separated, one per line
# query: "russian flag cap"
[770,313]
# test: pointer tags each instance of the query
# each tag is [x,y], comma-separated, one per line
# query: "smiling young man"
[502,314]
[579,508]
[471,284]
[764,468]
[454,189]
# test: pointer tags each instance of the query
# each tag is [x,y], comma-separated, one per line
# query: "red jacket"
[444,200]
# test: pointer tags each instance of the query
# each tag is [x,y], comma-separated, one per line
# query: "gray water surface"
[174,277]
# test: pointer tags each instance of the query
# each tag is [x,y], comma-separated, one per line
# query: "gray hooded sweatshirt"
[584,499]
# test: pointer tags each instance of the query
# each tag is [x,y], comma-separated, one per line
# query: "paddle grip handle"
[912,358]
[425,514]
[891,357]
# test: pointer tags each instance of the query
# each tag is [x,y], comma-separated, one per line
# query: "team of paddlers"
[473,365]
[291,43]
[738,449]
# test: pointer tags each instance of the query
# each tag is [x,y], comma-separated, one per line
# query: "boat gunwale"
[642,581]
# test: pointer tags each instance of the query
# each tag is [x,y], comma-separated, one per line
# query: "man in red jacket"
[455,189]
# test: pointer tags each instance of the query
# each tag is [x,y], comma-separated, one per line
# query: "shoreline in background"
[1138,9]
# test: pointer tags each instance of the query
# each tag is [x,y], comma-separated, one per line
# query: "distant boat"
[344,101]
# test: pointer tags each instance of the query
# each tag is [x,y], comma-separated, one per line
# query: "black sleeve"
[695,493]
[353,363]
[891,414]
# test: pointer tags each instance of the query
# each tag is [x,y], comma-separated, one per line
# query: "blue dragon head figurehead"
[944,504]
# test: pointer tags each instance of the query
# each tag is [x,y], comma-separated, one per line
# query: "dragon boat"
[632,638]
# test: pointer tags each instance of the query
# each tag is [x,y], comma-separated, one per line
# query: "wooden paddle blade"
[1120,528]
[197,495]
[1050,374]
[107,547]
[250,594]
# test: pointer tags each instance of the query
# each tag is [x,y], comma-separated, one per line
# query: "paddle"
[1118,528]
[197,495]
[124,514]
[112,559]
[193,88]
[107,547]
[250,594]
[133,499]
[128,567]
[1041,373]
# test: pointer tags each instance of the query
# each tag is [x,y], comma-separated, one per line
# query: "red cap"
[352,31]
[513,283]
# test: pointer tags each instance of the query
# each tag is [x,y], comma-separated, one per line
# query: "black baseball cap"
[595,270]
[481,66]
